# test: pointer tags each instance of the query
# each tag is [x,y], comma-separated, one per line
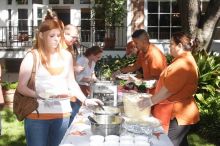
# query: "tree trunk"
[196,25]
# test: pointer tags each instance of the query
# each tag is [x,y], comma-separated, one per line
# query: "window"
[68,1]
[53,1]
[39,15]
[22,23]
[22,1]
[9,2]
[99,27]
[37,1]
[22,20]
[85,2]
[91,26]
[85,24]
[163,18]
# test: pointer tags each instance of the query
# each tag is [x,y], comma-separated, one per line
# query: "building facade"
[20,18]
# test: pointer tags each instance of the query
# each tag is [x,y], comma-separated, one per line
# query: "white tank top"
[47,85]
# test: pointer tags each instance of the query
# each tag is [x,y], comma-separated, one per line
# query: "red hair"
[46,25]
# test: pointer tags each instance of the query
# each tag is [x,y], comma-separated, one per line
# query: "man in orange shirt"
[149,58]
[173,102]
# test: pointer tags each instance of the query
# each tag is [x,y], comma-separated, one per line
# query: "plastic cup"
[126,137]
[111,143]
[96,143]
[113,138]
[142,143]
[140,138]
[97,138]
[126,143]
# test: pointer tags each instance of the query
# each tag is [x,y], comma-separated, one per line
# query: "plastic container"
[140,138]
[127,143]
[97,138]
[126,138]
[131,107]
[96,143]
[113,138]
[111,143]
[142,143]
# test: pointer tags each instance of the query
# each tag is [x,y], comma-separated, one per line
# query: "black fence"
[13,37]
[110,37]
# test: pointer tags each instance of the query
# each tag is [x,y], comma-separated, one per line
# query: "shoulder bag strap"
[31,82]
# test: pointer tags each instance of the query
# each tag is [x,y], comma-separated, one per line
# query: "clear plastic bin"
[131,108]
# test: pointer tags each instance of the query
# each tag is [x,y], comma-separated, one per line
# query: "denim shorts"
[45,132]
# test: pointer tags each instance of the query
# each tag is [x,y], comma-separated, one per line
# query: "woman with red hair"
[54,85]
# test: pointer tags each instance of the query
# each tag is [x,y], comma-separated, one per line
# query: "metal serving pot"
[106,125]
[107,110]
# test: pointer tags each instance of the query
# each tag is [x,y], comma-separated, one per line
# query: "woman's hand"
[78,69]
[91,102]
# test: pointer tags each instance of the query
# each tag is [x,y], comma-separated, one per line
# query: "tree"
[198,25]
[113,13]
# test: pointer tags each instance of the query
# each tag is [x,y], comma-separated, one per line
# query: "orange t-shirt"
[181,79]
[153,62]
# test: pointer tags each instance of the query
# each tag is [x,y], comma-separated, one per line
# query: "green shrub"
[106,66]
[12,130]
[9,85]
[208,96]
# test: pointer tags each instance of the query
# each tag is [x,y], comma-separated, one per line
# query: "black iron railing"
[18,37]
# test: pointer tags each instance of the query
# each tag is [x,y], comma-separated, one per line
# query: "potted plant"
[8,89]
[112,12]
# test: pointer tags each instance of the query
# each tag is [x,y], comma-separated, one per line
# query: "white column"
[75,16]
[129,20]
[145,14]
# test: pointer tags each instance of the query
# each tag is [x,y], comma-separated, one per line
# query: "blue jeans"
[75,109]
[45,132]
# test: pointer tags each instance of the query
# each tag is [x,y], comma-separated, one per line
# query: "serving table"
[79,132]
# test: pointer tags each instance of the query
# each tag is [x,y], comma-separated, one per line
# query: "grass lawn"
[13,132]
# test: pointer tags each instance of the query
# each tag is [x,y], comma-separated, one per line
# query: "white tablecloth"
[79,132]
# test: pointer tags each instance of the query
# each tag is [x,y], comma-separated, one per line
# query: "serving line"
[79,132]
